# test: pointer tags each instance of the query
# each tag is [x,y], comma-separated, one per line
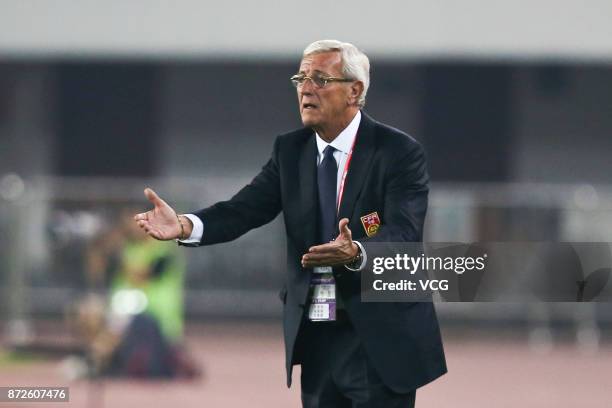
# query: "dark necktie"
[322,282]
[327,174]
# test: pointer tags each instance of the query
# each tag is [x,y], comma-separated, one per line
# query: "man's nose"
[307,86]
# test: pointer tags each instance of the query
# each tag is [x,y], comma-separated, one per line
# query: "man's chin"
[308,119]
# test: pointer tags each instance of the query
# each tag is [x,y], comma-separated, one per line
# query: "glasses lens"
[319,81]
[297,80]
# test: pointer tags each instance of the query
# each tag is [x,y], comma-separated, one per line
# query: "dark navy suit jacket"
[387,175]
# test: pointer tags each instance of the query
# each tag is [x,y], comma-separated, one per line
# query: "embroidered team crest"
[370,223]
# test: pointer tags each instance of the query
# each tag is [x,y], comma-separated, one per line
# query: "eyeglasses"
[319,81]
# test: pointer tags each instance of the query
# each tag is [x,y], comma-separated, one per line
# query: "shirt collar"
[344,141]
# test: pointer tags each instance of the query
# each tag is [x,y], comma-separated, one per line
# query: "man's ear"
[355,92]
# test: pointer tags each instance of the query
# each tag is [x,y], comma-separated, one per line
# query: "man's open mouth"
[309,106]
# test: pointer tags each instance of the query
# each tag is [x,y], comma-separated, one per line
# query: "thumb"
[153,197]
[343,227]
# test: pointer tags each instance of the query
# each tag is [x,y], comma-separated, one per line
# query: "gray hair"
[355,64]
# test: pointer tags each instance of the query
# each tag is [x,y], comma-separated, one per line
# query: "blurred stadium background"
[512,102]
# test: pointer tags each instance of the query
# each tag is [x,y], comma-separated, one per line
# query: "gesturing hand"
[340,251]
[160,222]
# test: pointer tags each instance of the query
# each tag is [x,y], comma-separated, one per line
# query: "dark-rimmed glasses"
[318,80]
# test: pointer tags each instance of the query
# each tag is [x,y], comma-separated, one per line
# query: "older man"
[343,176]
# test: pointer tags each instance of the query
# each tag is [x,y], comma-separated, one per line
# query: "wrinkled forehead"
[328,62]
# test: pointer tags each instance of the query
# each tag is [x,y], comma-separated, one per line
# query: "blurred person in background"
[139,330]
[352,353]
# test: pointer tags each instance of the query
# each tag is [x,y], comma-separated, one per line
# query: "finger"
[331,253]
[143,223]
[332,246]
[317,257]
[316,248]
[314,264]
[321,256]
[149,229]
[308,263]
[153,197]
[141,216]
[343,227]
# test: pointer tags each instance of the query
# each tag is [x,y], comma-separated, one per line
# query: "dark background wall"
[107,119]
[479,121]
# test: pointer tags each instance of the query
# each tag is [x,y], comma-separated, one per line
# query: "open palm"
[160,222]
[338,252]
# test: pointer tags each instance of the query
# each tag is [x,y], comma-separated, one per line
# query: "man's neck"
[330,133]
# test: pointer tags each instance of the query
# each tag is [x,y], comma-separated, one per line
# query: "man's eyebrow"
[316,71]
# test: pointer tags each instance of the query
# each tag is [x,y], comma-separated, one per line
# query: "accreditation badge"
[371,223]
[323,295]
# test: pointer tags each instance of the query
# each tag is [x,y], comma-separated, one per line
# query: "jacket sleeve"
[256,204]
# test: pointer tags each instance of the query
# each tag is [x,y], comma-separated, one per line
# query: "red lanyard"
[345,172]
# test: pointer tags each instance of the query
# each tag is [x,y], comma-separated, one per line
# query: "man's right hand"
[161,222]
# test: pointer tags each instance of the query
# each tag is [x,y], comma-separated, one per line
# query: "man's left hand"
[340,251]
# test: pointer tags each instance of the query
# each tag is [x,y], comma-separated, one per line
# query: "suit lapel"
[363,153]
[308,190]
